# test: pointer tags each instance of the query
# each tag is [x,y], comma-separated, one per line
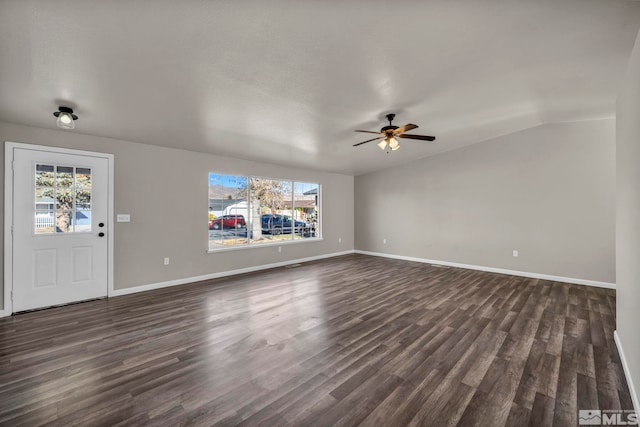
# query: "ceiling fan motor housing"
[388,129]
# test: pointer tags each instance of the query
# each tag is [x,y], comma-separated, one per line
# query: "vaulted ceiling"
[288,82]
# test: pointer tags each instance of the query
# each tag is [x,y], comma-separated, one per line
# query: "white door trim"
[8,214]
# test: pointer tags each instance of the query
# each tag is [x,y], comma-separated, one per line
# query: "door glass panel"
[44,221]
[83,189]
[83,178]
[45,175]
[44,197]
[64,221]
[64,176]
[83,220]
[62,199]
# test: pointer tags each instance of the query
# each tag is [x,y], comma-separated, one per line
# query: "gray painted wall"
[548,192]
[166,192]
[628,215]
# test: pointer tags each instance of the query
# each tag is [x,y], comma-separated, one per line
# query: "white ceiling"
[287,82]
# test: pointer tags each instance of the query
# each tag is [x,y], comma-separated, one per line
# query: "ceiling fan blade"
[368,131]
[369,140]
[405,128]
[420,137]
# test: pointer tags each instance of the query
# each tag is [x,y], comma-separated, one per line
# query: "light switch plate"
[124,218]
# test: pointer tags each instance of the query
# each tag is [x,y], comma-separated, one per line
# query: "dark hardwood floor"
[342,341]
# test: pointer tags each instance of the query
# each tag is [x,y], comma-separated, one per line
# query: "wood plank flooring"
[352,340]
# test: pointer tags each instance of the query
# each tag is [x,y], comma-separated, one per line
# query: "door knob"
[101,234]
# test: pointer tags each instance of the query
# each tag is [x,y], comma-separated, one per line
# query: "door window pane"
[62,199]
[82,221]
[44,221]
[44,197]
[64,177]
[45,175]
[64,221]
[83,178]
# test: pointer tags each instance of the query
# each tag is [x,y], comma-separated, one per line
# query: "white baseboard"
[627,374]
[143,288]
[160,285]
[495,270]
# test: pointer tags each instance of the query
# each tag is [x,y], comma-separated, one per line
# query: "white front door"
[60,227]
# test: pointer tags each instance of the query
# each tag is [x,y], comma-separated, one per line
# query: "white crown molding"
[627,374]
[495,270]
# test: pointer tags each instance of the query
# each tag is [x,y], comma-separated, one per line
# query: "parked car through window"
[282,224]
[227,221]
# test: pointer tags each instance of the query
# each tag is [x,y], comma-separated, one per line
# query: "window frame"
[250,244]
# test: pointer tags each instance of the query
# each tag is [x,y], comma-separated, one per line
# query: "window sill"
[265,245]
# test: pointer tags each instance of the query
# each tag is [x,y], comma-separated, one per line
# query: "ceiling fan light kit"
[389,144]
[388,135]
[65,118]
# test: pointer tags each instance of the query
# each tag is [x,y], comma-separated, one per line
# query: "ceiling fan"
[388,134]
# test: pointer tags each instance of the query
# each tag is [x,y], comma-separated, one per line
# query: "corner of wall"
[627,373]
[628,222]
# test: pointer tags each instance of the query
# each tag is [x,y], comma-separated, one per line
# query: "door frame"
[8,213]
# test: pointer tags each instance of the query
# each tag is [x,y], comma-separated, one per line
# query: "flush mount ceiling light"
[65,118]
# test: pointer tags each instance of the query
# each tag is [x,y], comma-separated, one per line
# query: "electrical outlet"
[515,253]
[166,260]
[384,241]
[339,239]
[279,249]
